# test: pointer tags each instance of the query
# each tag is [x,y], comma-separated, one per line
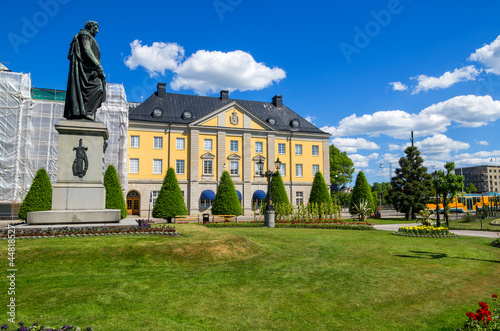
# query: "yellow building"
[200,137]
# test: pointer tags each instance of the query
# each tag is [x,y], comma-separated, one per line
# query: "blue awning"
[259,194]
[239,194]
[207,195]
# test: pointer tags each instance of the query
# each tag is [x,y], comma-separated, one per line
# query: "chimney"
[224,94]
[278,100]
[162,92]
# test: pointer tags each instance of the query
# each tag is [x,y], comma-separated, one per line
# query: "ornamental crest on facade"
[234,119]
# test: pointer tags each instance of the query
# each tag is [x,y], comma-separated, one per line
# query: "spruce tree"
[39,197]
[411,186]
[278,192]
[226,201]
[114,194]
[319,191]
[170,202]
[361,191]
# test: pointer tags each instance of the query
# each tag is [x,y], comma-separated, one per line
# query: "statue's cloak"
[86,90]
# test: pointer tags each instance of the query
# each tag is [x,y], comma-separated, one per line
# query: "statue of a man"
[86,85]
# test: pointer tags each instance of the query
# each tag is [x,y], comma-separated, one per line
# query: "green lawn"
[476,225]
[251,279]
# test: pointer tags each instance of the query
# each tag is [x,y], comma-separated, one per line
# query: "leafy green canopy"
[226,200]
[412,185]
[170,202]
[319,191]
[114,194]
[341,167]
[361,192]
[449,185]
[39,197]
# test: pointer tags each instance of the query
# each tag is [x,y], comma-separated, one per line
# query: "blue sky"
[368,72]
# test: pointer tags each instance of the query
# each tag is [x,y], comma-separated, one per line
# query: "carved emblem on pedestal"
[234,120]
[81,163]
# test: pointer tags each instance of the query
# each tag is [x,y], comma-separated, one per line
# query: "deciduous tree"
[341,167]
[449,185]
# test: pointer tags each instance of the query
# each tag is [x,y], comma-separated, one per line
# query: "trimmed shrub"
[114,194]
[319,191]
[278,192]
[39,197]
[226,200]
[170,202]
[361,191]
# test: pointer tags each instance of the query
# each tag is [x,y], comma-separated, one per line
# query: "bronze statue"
[86,85]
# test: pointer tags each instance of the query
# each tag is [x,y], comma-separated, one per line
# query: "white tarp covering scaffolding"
[28,139]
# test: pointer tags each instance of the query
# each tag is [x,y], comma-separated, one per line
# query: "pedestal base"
[269,218]
[74,216]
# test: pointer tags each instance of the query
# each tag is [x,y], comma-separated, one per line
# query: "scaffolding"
[28,139]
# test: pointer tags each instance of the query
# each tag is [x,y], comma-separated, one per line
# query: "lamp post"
[435,176]
[269,215]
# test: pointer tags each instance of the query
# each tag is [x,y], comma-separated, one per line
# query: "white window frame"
[180,143]
[156,163]
[297,172]
[233,145]
[133,166]
[180,167]
[157,142]
[234,168]
[260,148]
[206,203]
[315,150]
[134,141]
[281,149]
[315,170]
[207,144]
[299,198]
[154,196]
[205,167]
[282,170]
[298,149]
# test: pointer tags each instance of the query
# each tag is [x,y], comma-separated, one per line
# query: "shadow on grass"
[436,256]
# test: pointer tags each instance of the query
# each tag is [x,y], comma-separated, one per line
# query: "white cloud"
[398,86]
[478,158]
[489,55]
[361,161]
[204,71]
[483,142]
[351,145]
[467,110]
[394,147]
[439,146]
[310,119]
[155,58]
[426,83]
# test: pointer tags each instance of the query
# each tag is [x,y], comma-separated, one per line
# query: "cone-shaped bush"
[170,202]
[114,194]
[278,192]
[319,191]
[226,200]
[361,192]
[39,197]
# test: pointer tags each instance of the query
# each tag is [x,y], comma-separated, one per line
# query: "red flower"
[494,296]
[470,315]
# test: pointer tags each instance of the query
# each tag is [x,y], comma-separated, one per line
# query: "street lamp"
[435,176]
[269,211]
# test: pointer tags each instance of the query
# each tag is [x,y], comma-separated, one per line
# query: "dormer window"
[187,115]
[271,120]
[157,112]
[294,123]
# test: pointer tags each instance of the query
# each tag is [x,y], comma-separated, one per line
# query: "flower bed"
[424,231]
[484,319]
[495,222]
[308,224]
[36,327]
[62,232]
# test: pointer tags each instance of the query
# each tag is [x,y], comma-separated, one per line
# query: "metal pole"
[150,198]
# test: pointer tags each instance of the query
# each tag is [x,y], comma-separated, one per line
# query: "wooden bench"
[187,218]
[225,218]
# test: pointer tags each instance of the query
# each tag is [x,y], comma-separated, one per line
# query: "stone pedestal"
[269,217]
[79,195]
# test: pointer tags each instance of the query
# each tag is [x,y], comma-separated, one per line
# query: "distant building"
[485,178]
